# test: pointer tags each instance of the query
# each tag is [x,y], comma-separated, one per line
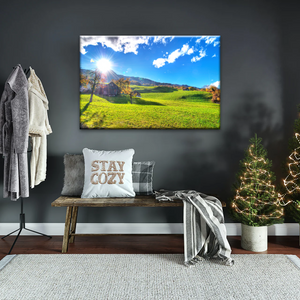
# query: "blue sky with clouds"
[191,60]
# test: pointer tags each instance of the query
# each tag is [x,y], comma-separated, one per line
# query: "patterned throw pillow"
[107,173]
[142,177]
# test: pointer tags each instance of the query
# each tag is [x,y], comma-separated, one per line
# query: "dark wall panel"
[45,35]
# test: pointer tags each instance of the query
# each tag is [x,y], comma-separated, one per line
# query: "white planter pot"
[254,238]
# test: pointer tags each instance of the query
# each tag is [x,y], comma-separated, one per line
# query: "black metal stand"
[22,226]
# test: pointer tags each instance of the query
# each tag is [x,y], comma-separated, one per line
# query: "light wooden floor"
[132,244]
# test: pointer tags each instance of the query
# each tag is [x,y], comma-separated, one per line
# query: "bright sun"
[103,65]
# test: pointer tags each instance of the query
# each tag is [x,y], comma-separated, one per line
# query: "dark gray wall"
[258,77]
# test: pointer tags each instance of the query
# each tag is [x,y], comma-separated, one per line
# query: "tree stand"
[22,226]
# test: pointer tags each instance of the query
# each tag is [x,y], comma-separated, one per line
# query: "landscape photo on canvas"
[150,82]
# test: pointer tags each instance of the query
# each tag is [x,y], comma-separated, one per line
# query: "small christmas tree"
[291,188]
[292,181]
[256,202]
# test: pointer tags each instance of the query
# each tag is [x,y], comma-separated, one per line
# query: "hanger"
[26,71]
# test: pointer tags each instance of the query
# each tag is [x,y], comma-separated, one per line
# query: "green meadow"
[158,107]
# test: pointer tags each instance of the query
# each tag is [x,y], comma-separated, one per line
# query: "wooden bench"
[73,203]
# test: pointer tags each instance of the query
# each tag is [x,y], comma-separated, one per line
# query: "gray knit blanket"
[204,228]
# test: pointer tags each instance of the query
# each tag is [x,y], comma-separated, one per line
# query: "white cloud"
[126,44]
[214,55]
[163,39]
[208,40]
[128,70]
[190,51]
[160,62]
[202,53]
[185,48]
[200,39]
[216,84]
[173,56]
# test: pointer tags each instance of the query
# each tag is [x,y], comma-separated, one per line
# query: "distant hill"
[135,80]
[111,75]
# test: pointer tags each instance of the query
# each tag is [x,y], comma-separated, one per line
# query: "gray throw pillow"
[74,175]
[142,176]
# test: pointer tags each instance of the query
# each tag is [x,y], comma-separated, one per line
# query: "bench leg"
[67,229]
[73,223]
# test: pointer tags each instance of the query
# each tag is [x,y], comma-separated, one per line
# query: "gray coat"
[14,120]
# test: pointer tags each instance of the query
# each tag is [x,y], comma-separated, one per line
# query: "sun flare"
[103,65]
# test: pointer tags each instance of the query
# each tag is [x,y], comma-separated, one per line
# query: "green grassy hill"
[158,107]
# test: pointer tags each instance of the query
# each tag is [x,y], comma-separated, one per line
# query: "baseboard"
[136,228]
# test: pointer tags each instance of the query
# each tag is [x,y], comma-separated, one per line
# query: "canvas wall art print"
[150,82]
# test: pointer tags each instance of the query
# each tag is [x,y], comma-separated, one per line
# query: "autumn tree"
[84,81]
[93,79]
[127,89]
[124,85]
[216,96]
[94,83]
[131,95]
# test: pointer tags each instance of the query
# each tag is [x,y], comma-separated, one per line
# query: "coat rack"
[22,223]
[22,226]
[22,214]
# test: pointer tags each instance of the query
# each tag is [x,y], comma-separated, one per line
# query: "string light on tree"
[292,180]
[256,203]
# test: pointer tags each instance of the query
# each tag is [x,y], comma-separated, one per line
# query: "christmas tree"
[256,202]
[291,189]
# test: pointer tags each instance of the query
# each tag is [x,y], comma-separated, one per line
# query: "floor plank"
[132,244]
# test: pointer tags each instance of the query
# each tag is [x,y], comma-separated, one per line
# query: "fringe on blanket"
[205,234]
